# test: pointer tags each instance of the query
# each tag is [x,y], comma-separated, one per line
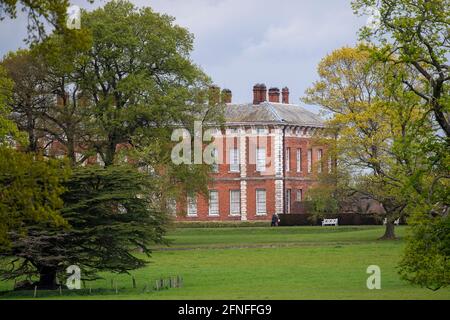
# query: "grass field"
[262,263]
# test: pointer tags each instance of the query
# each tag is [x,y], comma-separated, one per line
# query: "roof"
[271,113]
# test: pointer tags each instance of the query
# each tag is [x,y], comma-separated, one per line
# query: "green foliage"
[415,33]
[9,133]
[375,128]
[30,190]
[139,78]
[322,200]
[39,13]
[122,83]
[426,261]
[110,212]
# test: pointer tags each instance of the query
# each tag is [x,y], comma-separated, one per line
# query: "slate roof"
[271,113]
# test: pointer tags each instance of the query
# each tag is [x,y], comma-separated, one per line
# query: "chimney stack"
[285,94]
[263,93]
[259,93]
[256,94]
[274,95]
[226,96]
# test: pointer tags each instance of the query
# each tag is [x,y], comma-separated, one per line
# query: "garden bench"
[330,222]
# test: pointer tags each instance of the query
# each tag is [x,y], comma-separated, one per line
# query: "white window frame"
[192,206]
[235,204]
[213,207]
[288,159]
[288,200]
[261,206]
[299,196]
[299,160]
[234,159]
[260,159]
[262,131]
[232,131]
[309,160]
[215,165]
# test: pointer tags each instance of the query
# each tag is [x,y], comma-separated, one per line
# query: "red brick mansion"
[267,160]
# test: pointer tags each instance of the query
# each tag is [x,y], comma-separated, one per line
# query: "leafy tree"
[9,133]
[322,200]
[426,261]
[110,211]
[415,33]
[139,77]
[30,94]
[40,13]
[119,93]
[29,186]
[375,121]
[69,114]
[30,190]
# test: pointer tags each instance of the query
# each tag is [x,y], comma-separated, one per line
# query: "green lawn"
[264,263]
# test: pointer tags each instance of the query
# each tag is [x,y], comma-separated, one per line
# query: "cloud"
[239,43]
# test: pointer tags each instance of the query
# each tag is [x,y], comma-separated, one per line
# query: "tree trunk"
[32,141]
[47,278]
[71,150]
[389,233]
[110,153]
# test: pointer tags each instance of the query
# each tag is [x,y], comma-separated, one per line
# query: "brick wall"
[224,180]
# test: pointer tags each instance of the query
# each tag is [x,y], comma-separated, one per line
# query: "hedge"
[345,219]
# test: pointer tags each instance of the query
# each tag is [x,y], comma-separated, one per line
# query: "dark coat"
[275,220]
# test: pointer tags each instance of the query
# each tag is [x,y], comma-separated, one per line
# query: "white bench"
[329,222]
[396,222]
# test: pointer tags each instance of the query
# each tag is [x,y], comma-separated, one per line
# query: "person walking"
[275,220]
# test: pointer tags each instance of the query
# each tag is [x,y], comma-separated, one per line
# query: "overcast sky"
[242,42]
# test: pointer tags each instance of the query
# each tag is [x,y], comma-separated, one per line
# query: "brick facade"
[266,123]
[277,179]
